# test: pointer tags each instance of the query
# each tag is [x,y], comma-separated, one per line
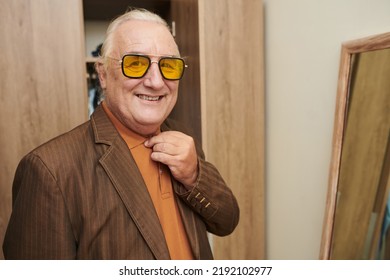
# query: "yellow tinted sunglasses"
[137,65]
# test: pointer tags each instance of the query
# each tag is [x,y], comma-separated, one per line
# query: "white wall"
[302,44]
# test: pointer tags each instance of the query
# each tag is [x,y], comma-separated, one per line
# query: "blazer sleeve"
[213,200]
[39,227]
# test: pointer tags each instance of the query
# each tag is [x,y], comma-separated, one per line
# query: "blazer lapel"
[127,180]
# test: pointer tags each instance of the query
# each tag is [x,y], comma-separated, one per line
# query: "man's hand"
[177,151]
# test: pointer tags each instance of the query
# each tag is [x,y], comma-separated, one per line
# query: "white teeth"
[149,98]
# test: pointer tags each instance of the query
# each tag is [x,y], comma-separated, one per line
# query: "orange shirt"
[158,182]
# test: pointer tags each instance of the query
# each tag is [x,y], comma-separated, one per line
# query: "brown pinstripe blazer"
[81,196]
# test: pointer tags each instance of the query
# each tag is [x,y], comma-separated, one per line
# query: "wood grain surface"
[43,90]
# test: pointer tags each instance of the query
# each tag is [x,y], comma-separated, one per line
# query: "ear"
[102,73]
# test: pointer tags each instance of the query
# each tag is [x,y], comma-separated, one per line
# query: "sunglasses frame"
[150,63]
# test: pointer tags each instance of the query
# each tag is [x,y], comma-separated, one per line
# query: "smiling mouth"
[149,98]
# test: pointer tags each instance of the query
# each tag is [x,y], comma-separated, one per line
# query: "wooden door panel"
[43,86]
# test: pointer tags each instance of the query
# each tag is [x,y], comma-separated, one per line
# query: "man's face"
[140,104]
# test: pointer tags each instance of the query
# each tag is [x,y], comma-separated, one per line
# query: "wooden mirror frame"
[348,49]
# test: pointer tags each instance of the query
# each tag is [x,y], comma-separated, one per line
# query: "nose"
[153,77]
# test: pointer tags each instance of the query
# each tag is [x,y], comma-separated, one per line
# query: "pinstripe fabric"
[80,196]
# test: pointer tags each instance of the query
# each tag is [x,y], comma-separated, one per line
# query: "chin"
[148,127]
[152,119]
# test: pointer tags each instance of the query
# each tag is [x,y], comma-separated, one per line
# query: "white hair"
[132,14]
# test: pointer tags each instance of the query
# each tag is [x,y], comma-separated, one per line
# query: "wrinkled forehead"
[145,38]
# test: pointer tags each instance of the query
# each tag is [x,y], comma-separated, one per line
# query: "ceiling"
[109,9]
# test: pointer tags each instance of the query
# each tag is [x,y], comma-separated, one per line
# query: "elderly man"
[127,184]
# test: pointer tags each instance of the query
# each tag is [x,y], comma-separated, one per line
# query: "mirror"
[356,224]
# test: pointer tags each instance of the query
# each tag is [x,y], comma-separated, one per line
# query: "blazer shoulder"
[78,134]
[73,144]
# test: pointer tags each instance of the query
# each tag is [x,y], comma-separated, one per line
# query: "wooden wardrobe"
[43,85]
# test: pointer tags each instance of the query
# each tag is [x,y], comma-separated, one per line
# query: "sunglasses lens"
[172,68]
[135,66]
